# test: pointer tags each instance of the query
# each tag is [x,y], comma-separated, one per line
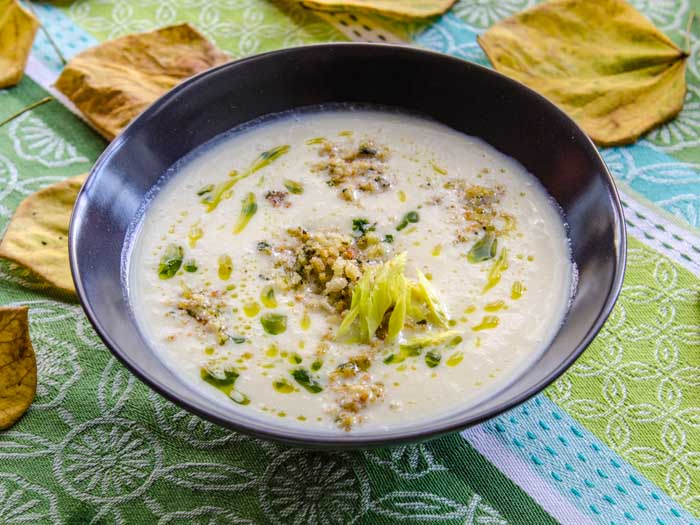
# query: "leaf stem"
[47,35]
[688,27]
[25,109]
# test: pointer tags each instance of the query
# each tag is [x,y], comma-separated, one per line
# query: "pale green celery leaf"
[380,288]
[424,341]
[398,316]
[349,318]
[384,288]
[429,296]
[389,286]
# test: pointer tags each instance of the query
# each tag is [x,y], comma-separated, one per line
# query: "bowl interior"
[467,97]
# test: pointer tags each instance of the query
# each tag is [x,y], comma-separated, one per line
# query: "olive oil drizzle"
[223,191]
[226,384]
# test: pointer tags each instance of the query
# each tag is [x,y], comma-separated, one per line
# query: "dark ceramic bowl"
[467,97]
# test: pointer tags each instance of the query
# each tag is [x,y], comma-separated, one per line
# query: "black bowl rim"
[427,429]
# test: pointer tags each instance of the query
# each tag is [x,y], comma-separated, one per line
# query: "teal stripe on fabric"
[671,184]
[452,36]
[581,467]
[665,181]
[67,36]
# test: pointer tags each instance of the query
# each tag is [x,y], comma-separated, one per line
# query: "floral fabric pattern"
[637,385]
[98,447]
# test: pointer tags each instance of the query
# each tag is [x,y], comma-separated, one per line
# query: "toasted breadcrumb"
[354,167]
[327,263]
[204,309]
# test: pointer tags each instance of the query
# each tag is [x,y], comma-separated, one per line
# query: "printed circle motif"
[314,489]
[107,461]
[23,502]
[194,430]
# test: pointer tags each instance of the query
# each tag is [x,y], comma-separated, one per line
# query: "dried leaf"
[602,62]
[401,9]
[17,30]
[17,365]
[37,236]
[115,81]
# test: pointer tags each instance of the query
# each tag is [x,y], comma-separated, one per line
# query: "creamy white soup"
[350,270]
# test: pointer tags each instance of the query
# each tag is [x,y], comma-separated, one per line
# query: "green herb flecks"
[438,169]
[171,261]
[455,359]
[212,199]
[190,266]
[414,347]
[267,157]
[489,322]
[411,217]
[433,358]
[196,232]
[484,249]
[500,265]
[225,382]
[388,238]
[205,189]
[274,324]
[264,247]
[354,366]
[248,208]
[403,353]
[517,290]
[283,386]
[225,267]
[304,378]
[294,187]
[316,365]
[267,297]
[362,226]
[315,140]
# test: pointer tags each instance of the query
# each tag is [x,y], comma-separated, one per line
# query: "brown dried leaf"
[115,81]
[17,365]
[17,30]
[37,236]
[401,9]
[602,62]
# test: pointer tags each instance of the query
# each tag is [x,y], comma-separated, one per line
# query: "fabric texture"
[615,440]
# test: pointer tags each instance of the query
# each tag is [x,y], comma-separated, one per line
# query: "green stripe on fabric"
[460,474]
[636,386]
[40,147]
[242,27]
[97,444]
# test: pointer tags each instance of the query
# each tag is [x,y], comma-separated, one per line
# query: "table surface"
[616,440]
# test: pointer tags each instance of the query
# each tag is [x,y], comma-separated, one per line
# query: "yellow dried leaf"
[17,365]
[601,61]
[17,30]
[401,9]
[37,236]
[115,81]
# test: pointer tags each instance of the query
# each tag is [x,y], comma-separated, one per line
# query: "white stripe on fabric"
[654,230]
[522,475]
[643,223]
[45,77]
[555,454]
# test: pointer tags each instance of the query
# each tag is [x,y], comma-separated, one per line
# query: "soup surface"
[349,270]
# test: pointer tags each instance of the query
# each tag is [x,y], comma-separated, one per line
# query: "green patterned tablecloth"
[616,440]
